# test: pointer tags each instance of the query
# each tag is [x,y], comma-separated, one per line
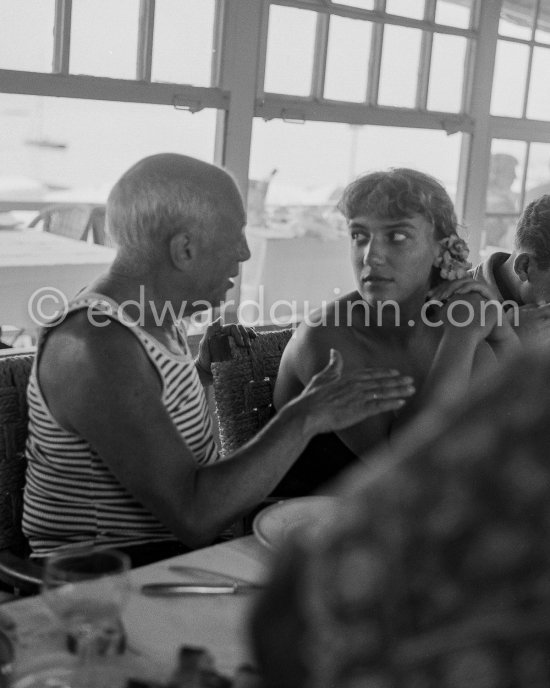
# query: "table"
[157,626]
[32,260]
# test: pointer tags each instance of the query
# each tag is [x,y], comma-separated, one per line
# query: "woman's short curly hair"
[400,192]
[533,231]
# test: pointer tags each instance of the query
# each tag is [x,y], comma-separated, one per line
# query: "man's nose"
[373,253]
[244,251]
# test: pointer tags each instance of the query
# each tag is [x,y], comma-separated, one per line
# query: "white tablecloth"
[34,260]
[157,626]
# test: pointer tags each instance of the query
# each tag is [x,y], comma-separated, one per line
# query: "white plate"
[273,525]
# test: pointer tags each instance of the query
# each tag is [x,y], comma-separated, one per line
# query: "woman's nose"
[373,254]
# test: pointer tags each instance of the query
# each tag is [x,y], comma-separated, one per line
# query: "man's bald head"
[162,195]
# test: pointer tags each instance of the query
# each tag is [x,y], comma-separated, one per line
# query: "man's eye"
[358,236]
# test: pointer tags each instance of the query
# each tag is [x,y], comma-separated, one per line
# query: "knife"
[205,574]
[176,589]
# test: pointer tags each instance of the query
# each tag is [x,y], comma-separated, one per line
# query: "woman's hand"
[241,334]
[335,401]
[443,292]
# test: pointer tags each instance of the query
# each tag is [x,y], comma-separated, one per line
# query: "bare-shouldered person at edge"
[120,450]
[405,251]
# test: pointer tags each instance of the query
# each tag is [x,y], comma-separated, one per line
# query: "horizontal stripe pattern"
[71,496]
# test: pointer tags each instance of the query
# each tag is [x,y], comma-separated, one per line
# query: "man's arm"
[99,383]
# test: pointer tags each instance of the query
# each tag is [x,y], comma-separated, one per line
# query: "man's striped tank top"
[71,496]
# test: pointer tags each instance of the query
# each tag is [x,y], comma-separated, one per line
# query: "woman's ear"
[521,266]
[181,249]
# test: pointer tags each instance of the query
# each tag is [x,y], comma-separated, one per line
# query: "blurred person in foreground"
[414,309]
[523,276]
[120,450]
[433,568]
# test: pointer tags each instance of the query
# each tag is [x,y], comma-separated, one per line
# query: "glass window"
[516,18]
[96,45]
[57,149]
[509,79]
[542,33]
[299,244]
[504,191]
[406,8]
[347,59]
[26,35]
[399,71]
[447,73]
[453,14]
[538,103]
[182,48]
[363,4]
[289,59]
[538,172]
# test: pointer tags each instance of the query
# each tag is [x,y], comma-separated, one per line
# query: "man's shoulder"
[81,343]
[485,270]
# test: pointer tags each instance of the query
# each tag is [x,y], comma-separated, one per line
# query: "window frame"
[238,69]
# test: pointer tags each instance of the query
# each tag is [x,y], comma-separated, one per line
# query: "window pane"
[182,48]
[516,18]
[447,73]
[347,59]
[363,4]
[26,35]
[289,59]
[509,80]
[72,149]
[300,251]
[96,30]
[503,194]
[542,33]
[406,8]
[399,71]
[538,103]
[538,172]
[452,14]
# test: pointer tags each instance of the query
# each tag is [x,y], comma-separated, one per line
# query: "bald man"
[120,449]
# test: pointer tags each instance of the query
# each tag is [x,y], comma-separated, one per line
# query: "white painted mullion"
[241,38]
[424,67]
[476,149]
[62,37]
[320,55]
[375,58]
[145,40]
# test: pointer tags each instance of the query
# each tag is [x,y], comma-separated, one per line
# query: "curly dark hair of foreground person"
[434,568]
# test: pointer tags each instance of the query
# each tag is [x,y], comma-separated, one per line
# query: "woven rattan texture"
[14,376]
[243,388]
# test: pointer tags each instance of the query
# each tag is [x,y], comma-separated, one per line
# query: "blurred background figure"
[257,193]
[434,570]
[538,190]
[501,199]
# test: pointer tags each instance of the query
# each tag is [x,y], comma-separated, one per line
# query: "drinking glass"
[87,588]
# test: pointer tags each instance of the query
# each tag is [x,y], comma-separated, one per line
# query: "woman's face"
[392,258]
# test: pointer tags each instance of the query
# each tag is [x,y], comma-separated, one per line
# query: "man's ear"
[181,249]
[521,266]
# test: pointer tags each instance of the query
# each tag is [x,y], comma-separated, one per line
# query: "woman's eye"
[398,237]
